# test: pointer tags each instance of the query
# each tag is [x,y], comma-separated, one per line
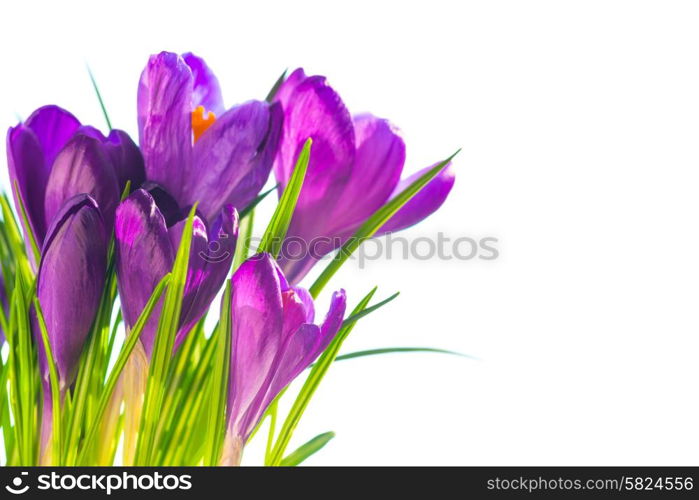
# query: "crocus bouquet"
[118,251]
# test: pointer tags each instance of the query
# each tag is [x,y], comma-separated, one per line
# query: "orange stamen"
[201,120]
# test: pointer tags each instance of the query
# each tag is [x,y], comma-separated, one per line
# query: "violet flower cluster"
[69,179]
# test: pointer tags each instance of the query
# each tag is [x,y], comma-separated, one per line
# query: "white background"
[579,124]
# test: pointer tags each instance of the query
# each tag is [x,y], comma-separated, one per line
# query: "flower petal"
[164,120]
[232,159]
[257,314]
[206,91]
[313,109]
[209,262]
[377,167]
[53,127]
[304,345]
[70,281]
[82,167]
[126,159]
[144,255]
[28,168]
[424,203]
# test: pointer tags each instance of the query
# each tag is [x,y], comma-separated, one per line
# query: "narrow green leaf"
[219,379]
[256,202]
[369,310]
[312,382]
[162,350]
[374,223]
[275,88]
[390,350]
[306,450]
[28,228]
[56,431]
[120,363]
[242,248]
[279,224]
[99,98]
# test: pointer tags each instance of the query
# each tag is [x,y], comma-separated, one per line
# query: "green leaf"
[279,224]
[56,431]
[390,350]
[99,98]
[162,350]
[374,223]
[120,363]
[275,88]
[256,202]
[219,379]
[28,228]
[369,310]
[312,382]
[242,248]
[306,450]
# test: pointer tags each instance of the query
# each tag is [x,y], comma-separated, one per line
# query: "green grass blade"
[306,450]
[99,98]
[390,350]
[28,228]
[312,382]
[373,224]
[279,224]
[257,201]
[219,380]
[162,350]
[242,248]
[120,363]
[275,88]
[369,310]
[56,431]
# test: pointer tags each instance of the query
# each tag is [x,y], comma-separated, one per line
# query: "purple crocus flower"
[70,282]
[147,238]
[192,146]
[273,340]
[354,169]
[52,158]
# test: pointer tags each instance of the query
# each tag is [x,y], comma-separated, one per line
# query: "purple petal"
[28,168]
[165,120]
[249,186]
[82,167]
[313,109]
[232,159]
[206,91]
[304,344]
[209,262]
[424,203]
[166,204]
[377,167]
[257,314]
[53,127]
[70,281]
[144,255]
[126,159]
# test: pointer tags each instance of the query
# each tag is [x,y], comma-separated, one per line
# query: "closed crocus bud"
[193,146]
[70,282]
[52,158]
[146,245]
[274,339]
[355,167]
